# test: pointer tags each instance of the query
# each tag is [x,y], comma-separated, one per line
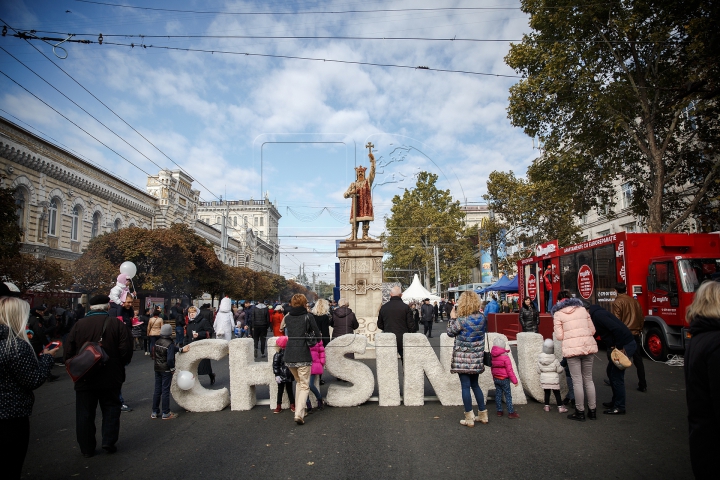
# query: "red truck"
[661,270]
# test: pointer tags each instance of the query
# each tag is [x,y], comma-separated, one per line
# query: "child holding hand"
[283,375]
[503,374]
[549,369]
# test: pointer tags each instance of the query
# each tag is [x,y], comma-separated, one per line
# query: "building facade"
[63,201]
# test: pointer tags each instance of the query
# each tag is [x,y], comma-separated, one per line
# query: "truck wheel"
[655,345]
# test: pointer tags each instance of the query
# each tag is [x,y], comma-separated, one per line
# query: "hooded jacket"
[469,333]
[574,328]
[119,292]
[318,358]
[276,318]
[297,323]
[702,385]
[501,365]
[21,372]
[492,307]
[343,321]
[260,316]
[549,369]
[224,325]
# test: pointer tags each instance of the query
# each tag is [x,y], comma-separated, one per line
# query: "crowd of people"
[302,332]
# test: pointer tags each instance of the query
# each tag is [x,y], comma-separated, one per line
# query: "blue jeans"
[502,387]
[469,381]
[617,378]
[313,388]
[179,335]
[162,389]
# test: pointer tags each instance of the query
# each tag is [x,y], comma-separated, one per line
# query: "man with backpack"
[102,384]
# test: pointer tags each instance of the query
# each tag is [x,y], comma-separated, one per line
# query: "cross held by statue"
[369,146]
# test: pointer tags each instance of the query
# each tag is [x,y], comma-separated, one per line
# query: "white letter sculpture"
[245,374]
[199,398]
[359,374]
[419,360]
[387,369]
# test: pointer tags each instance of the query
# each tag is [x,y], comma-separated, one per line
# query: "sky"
[246,126]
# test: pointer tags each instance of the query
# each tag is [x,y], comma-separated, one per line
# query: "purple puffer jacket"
[318,358]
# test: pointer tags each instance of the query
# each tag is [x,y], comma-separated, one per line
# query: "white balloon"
[185,380]
[129,269]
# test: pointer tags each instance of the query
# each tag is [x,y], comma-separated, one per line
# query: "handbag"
[310,337]
[90,358]
[620,360]
[487,359]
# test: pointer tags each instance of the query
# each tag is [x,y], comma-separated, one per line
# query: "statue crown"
[360,169]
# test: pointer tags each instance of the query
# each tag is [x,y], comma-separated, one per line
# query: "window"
[52,217]
[261,221]
[117,225]
[234,221]
[217,219]
[256,221]
[20,207]
[695,271]
[604,232]
[96,225]
[75,226]
[584,219]
[627,193]
[629,227]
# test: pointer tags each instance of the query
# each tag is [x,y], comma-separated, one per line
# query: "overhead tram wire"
[111,110]
[78,126]
[326,12]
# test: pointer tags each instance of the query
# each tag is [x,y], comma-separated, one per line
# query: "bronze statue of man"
[361,192]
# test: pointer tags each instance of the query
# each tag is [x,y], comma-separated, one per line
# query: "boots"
[578,415]
[469,419]
[353,235]
[482,417]
[591,414]
[278,409]
[320,404]
[366,229]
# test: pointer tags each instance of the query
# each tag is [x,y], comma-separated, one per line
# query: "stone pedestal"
[361,283]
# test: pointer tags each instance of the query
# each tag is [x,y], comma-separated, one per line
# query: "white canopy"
[417,293]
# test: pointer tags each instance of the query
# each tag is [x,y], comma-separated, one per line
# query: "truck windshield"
[694,271]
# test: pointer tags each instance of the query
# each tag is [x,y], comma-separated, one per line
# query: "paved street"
[369,441]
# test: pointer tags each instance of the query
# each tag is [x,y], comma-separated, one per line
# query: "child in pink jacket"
[503,374]
[318,363]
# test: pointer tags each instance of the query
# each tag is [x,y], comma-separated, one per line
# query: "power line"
[122,119]
[78,126]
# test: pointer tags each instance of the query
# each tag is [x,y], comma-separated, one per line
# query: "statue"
[361,192]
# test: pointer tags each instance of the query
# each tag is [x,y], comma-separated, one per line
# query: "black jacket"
[612,332]
[116,342]
[323,323]
[297,323]
[207,314]
[416,320]
[260,316]
[529,319]
[280,369]
[426,313]
[164,354]
[702,386]
[396,317]
[343,321]
[21,372]
[37,324]
[201,325]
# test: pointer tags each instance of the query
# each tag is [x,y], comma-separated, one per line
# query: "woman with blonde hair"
[21,372]
[299,322]
[467,359]
[702,379]
[322,314]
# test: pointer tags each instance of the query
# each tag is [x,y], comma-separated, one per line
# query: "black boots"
[578,415]
[592,415]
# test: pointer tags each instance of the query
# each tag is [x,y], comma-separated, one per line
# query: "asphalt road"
[368,441]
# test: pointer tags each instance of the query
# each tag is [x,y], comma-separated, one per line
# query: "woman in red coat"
[276,318]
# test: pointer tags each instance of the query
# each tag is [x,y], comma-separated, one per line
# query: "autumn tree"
[527,213]
[624,91]
[30,273]
[9,226]
[424,217]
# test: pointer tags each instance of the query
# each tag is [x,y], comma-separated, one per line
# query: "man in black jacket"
[260,318]
[614,334]
[426,317]
[396,317]
[101,386]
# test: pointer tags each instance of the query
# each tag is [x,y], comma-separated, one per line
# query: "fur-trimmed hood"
[568,302]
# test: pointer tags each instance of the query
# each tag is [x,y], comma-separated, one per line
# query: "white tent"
[417,293]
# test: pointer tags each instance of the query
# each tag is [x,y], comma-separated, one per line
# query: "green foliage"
[9,228]
[623,90]
[425,216]
[527,212]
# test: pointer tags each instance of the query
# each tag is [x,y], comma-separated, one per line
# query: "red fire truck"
[661,270]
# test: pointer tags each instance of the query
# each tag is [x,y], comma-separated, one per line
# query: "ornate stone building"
[64,201]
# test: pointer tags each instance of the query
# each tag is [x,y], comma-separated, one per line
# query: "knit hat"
[499,342]
[281,341]
[549,346]
[122,278]
[166,330]
[99,300]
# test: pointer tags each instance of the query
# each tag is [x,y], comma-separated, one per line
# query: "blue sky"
[222,116]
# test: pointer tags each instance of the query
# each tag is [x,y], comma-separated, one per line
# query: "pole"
[437,270]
